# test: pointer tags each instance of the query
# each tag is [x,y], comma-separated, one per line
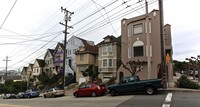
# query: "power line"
[35,51]
[8,14]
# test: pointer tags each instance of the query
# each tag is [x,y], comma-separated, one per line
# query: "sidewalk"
[173,88]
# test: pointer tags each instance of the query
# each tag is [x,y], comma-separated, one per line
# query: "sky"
[29,27]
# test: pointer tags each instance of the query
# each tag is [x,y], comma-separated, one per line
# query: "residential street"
[178,99]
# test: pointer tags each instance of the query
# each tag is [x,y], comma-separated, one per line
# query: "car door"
[81,91]
[88,89]
[127,85]
[50,92]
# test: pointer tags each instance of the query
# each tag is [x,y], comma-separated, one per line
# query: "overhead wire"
[34,51]
[103,23]
[81,21]
[8,14]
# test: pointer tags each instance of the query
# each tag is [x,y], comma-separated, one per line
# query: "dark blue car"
[31,93]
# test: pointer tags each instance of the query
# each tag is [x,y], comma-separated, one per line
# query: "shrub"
[184,82]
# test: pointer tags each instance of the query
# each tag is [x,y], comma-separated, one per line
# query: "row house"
[73,45]
[53,60]
[85,56]
[58,57]
[49,62]
[134,44]
[109,57]
[38,68]
[24,74]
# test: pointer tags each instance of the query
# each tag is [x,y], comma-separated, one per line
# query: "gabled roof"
[41,62]
[30,66]
[59,45]
[88,48]
[112,38]
[24,70]
[51,51]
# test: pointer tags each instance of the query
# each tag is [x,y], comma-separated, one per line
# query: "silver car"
[54,92]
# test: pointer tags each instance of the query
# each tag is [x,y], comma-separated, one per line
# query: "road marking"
[167,100]
[11,105]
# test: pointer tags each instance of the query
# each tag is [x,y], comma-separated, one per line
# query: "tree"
[133,66]
[92,72]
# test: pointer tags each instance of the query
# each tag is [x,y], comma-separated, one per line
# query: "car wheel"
[76,95]
[94,94]
[52,95]
[113,92]
[45,96]
[150,90]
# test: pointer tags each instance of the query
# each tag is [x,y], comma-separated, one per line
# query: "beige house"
[38,67]
[86,55]
[49,63]
[134,45]
[29,75]
[109,57]
[24,75]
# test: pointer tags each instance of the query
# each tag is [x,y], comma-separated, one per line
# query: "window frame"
[140,25]
[138,53]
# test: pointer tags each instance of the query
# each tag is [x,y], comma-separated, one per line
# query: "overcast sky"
[32,26]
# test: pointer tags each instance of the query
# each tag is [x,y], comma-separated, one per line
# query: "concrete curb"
[180,90]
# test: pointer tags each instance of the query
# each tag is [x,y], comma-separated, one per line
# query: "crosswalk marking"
[167,100]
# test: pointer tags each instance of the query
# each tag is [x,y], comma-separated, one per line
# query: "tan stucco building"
[134,44]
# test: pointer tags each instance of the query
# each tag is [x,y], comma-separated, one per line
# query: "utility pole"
[6,66]
[66,18]
[148,42]
[162,41]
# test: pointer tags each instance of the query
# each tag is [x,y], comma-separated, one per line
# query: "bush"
[184,82]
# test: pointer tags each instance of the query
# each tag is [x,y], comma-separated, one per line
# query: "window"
[81,57]
[138,51]
[110,63]
[107,63]
[104,62]
[137,29]
[104,50]
[82,68]
[107,50]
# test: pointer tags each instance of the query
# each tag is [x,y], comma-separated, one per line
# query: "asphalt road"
[163,99]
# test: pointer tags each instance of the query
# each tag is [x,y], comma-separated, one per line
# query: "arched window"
[138,48]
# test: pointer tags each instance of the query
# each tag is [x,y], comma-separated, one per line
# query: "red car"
[90,90]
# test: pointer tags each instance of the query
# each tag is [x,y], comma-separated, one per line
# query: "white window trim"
[107,53]
[107,61]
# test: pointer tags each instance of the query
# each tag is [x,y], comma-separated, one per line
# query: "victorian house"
[49,62]
[86,55]
[109,57]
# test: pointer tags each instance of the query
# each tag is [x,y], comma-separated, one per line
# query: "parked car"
[31,93]
[9,96]
[134,84]
[89,90]
[54,92]
[103,89]
[20,95]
